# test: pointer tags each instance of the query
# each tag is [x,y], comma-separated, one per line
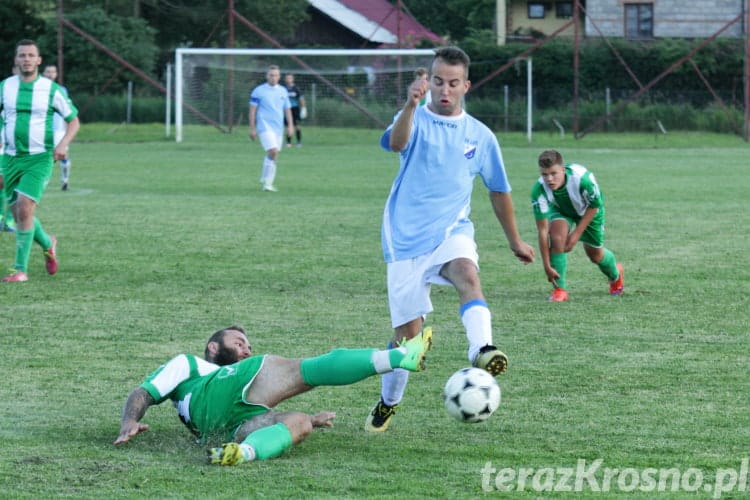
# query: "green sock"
[339,367]
[24,239]
[559,262]
[40,236]
[608,265]
[269,442]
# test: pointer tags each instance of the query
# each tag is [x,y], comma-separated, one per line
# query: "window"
[536,10]
[639,20]
[564,10]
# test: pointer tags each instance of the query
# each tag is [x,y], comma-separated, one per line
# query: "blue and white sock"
[477,320]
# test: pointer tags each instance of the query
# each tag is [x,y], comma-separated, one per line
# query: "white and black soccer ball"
[471,395]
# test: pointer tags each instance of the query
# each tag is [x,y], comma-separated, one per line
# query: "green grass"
[161,244]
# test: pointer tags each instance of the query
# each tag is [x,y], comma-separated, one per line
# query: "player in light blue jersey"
[427,235]
[269,104]
[59,126]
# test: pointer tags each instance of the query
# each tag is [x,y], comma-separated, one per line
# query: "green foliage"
[340,113]
[454,19]
[600,68]
[161,244]
[19,20]
[680,100]
[88,69]
[196,23]
[113,108]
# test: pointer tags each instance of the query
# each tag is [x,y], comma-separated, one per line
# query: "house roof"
[376,20]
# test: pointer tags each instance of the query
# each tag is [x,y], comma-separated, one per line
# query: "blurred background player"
[427,236]
[567,196]
[27,103]
[59,125]
[269,108]
[299,110]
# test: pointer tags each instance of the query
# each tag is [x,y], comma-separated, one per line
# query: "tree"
[196,23]
[19,20]
[88,69]
[454,19]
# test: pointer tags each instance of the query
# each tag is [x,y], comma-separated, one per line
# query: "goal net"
[342,88]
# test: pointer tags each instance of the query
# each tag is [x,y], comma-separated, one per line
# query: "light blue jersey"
[430,199]
[271,102]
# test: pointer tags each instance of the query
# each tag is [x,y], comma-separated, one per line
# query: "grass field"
[161,244]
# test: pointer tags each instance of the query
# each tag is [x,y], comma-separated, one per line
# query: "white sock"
[64,170]
[477,320]
[248,452]
[394,386]
[381,360]
[271,175]
[264,171]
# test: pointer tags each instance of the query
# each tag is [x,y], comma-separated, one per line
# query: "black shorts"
[295,116]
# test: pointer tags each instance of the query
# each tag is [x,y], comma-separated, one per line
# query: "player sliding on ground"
[233,392]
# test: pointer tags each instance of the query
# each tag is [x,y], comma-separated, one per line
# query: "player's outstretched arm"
[134,410]
[502,204]
[401,129]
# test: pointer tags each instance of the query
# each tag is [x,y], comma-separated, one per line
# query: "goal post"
[342,87]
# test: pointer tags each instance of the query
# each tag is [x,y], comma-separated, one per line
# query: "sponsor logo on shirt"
[441,123]
[470,149]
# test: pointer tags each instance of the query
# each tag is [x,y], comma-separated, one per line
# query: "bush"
[108,108]
[634,117]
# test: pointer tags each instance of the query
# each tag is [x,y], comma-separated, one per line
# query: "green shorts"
[27,175]
[218,403]
[593,235]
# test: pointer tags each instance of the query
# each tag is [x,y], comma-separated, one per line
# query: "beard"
[225,356]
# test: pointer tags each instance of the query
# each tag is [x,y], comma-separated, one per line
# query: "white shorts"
[409,280]
[270,140]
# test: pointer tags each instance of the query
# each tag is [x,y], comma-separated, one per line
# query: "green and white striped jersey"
[27,113]
[581,191]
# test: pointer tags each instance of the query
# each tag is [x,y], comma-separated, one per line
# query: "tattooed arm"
[134,410]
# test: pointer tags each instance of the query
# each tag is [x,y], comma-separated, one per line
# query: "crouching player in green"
[233,393]
[565,197]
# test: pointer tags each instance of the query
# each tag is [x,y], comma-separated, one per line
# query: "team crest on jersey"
[227,371]
[470,149]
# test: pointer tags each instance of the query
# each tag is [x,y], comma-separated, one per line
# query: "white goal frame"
[181,52]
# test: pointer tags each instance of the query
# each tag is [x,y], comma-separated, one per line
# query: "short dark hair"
[549,158]
[453,56]
[218,336]
[27,41]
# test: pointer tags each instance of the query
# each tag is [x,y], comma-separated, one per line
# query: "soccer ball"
[471,395]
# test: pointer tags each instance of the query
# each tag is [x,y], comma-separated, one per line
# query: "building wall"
[519,24]
[672,18]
